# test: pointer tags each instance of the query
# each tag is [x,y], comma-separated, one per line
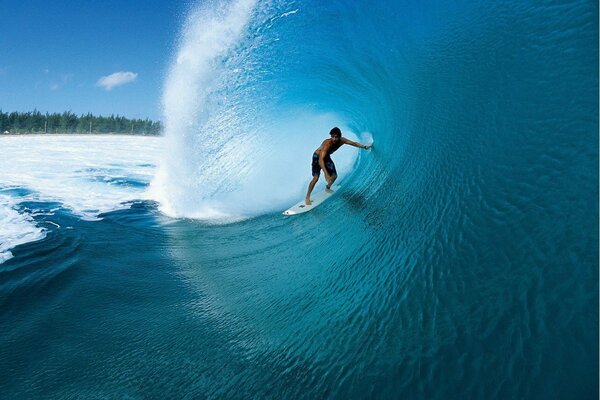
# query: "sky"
[104,57]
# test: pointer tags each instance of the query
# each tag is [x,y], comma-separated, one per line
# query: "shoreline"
[75,134]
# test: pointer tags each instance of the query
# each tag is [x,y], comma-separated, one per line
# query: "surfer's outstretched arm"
[359,145]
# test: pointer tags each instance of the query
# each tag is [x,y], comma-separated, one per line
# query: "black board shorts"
[329,165]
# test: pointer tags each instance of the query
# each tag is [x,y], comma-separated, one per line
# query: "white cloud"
[116,79]
[54,87]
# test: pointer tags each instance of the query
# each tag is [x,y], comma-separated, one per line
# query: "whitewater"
[459,259]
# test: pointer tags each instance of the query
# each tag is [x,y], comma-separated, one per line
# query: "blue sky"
[54,54]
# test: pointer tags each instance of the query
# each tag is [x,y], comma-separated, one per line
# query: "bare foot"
[328,190]
[307,202]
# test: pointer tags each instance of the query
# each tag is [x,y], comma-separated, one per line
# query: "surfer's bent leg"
[332,173]
[311,186]
[316,171]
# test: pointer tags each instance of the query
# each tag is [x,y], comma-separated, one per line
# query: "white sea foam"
[88,175]
[15,228]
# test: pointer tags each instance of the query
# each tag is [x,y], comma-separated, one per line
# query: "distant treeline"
[68,122]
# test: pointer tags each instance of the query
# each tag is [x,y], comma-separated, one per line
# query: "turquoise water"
[458,260]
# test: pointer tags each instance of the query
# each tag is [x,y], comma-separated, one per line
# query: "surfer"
[321,160]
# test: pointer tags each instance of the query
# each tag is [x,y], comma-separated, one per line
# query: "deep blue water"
[459,259]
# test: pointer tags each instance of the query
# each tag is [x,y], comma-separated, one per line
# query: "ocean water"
[459,258]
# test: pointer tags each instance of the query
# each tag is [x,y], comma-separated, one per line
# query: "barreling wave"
[238,140]
[485,123]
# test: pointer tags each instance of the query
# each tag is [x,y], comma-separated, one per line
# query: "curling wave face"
[463,199]
[458,260]
[233,149]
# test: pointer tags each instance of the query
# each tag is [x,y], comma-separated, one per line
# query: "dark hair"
[335,131]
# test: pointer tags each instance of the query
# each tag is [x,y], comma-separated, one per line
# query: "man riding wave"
[321,160]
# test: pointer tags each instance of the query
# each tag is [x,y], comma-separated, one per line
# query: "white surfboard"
[316,198]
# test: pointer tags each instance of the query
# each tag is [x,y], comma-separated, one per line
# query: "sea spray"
[192,92]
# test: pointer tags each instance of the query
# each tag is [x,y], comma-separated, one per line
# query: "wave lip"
[200,116]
